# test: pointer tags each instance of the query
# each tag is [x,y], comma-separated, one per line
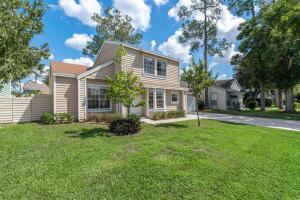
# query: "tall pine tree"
[202,34]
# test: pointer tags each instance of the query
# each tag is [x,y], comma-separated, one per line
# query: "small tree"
[125,87]
[198,79]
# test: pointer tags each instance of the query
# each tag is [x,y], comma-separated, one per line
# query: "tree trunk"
[198,116]
[128,111]
[280,99]
[252,9]
[262,97]
[205,52]
[276,99]
[289,100]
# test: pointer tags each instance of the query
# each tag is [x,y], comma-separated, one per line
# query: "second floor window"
[161,68]
[155,67]
[149,67]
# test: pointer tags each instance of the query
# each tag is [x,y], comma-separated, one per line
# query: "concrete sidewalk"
[257,121]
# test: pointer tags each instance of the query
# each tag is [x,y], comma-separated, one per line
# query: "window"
[160,99]
[97,98]
[174,97]
[156,99]
[149,65]
[151,99]
[161,68]
[155,67]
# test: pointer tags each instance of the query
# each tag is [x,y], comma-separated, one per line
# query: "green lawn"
[176,161]
[271,112]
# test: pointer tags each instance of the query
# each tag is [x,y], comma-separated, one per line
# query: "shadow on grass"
[171,125]
[87,133]
[234,123]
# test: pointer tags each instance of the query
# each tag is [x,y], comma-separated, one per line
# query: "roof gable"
[66,68]
[139,49]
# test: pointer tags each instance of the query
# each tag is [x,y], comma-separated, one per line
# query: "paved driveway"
[258,121]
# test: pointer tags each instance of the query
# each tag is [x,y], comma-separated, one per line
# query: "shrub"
[268,102]
[298,97]
[126,126]
[297,106]
[168,114]
[48,118]
[200,104]
[236,105]
[65,117]
[103,117]
[252,104]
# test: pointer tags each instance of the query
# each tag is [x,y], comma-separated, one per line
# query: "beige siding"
[222,97]
[169,104]
[82,99]
[97,82]
[108,53]
[133,61]
[66,95]
[102,73]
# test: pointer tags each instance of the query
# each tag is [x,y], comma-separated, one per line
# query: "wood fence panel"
[24,109]
[6,110]
[21,109]
[41,103]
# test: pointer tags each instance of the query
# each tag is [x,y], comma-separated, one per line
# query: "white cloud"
[51,57]
[174,49]
[223,77]
[138,10]
[83,10]
[160,2]
[78,41]
[227,55]
[153,44]
[227,25]
[80,61]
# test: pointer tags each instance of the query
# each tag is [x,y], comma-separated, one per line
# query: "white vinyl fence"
[24,109]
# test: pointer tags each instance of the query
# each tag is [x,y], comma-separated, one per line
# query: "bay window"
[97,98]
[155,67]
[156,99]
[160,99]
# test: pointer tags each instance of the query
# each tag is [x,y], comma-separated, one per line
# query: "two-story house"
[82,90]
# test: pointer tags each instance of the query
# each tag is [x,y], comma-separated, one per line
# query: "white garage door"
[190,103]
[137,110]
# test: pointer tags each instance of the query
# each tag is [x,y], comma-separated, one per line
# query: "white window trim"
[154,100]
[155,68]
[177,94]
[99,109]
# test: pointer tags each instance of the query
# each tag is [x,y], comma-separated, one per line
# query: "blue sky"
[68,27]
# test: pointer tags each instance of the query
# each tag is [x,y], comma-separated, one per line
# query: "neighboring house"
[30,87]
[6,90]
[223,95]
[83,90]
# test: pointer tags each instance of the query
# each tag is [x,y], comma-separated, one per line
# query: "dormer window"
[155,67]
